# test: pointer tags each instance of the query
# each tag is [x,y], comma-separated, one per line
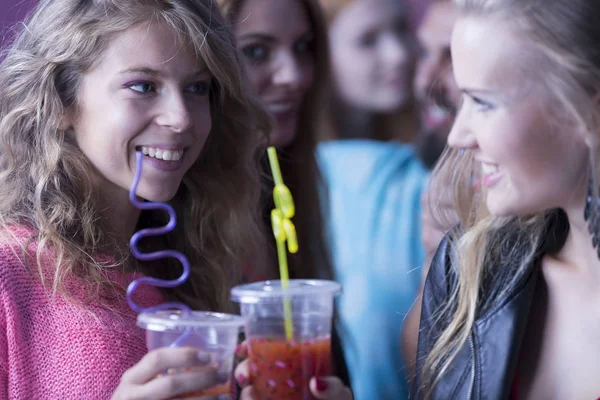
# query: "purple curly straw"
[157,254]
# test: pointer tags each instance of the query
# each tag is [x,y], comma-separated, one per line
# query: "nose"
[288,71]
[174,113]
[394,50]
[461,135]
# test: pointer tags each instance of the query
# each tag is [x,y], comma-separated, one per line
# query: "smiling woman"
[145,93]
[278,52]
[284,50]
[87,85]
[373,60]
[510,305]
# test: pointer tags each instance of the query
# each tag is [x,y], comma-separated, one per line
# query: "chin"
[390,104]
[499,208]
[162,196]
[283,137]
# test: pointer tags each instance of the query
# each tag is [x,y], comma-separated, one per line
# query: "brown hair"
[47,181]
[400,125]
[298,160]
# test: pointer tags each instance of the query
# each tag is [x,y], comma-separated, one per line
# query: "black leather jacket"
[485,366]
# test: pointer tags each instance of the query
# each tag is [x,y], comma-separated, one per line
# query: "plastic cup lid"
[272,291]
[178,320]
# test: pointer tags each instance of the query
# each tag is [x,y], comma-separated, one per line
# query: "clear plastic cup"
[281,367]
[214,333]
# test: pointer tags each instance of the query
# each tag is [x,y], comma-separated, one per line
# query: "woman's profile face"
[530,159]
[372,54]
[276,39]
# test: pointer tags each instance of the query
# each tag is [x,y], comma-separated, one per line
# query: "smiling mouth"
[161,154]
[489,169]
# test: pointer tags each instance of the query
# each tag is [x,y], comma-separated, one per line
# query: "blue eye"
[141,87]
[255,52]
[304,46]
[401,27]
[482,105]
[368,39]
[199,88]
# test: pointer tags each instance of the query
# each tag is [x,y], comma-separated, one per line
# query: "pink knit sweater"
[51,348]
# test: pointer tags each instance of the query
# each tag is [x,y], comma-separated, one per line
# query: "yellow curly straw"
[284,231]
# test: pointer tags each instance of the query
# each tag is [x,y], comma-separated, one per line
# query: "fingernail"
[222,376]
[203,357]
[321,385]
[241,379]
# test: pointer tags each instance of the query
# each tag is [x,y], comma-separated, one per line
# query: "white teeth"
[161,154]
[489,169]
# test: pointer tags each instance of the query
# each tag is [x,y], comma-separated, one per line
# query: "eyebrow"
[470,91]
[263,37]
[259,37]
[155,72]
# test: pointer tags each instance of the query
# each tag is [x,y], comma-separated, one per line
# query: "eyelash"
[370,38]
[482,105]
[203,92]
[300,47]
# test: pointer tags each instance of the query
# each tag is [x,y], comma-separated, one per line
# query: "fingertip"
[248,393]
[321,384]
[328,388]
[203,357]
[242,374]
[318,387]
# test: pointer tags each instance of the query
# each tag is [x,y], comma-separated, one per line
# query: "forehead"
[154,45]
[438,22]
[278,18]
[487,53]
[361,15]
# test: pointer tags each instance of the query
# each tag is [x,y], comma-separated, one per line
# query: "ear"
[590,140]
[66,120]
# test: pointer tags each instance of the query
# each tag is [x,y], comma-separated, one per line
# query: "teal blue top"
[375,231]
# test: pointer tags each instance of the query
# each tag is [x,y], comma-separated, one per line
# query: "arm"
[410,335]
[432,295]
[432,235]
[410,330]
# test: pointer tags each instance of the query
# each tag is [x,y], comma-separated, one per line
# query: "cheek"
[203,118]
[546,164]
[308,75]
[111,128]
[260,78]
[356,75]
[349,62]
[563,160]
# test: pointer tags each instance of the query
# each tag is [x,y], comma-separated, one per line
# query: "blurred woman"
[375,184]
[285,49]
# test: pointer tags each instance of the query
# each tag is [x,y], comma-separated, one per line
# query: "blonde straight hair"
[562,35]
